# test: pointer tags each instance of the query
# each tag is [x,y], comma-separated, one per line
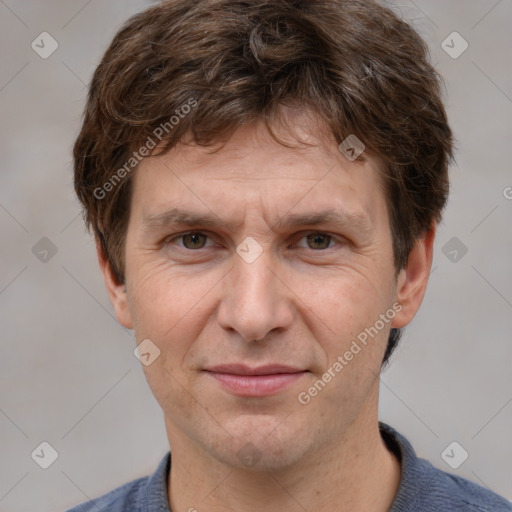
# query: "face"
[256,270]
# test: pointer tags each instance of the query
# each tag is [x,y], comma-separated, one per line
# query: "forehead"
[302,172]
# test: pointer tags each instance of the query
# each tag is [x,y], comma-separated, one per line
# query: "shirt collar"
[154,496]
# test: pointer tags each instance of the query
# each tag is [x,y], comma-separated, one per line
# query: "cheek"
[168,311]
[171,308]
[353,336]
[347,303]
[158,298]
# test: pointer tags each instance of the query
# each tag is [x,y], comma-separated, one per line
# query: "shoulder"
[429,489]
[146,493]
[124,498]
[455,493]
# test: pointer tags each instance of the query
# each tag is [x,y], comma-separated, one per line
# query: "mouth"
[262,381]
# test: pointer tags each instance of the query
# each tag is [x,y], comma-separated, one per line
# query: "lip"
[262,381]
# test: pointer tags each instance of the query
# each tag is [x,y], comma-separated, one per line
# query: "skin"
[304,298]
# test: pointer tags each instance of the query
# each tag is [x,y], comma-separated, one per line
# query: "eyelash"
[169,241]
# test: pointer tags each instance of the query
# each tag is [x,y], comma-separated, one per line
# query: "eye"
[195,240]
[192,240]
[318,241]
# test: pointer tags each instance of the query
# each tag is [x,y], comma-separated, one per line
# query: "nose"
[256,301]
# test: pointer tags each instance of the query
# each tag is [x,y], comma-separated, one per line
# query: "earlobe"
[413,279]
[116,290]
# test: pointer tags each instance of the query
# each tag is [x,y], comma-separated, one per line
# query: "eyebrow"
[177,216]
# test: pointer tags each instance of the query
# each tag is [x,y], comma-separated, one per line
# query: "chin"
[262,443]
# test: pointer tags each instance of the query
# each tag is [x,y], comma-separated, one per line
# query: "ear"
[116,290]
[413,279]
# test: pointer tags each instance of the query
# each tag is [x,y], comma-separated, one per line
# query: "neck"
[356,473]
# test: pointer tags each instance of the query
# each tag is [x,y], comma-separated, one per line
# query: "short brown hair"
[354,62]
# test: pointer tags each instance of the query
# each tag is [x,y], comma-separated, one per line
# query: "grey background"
[68,375]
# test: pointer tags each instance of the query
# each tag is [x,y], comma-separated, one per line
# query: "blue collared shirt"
[423,488]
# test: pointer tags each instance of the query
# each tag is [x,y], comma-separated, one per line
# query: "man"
[264,180]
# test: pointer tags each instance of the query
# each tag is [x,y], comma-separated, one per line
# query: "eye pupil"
[318,238]
[195,238]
